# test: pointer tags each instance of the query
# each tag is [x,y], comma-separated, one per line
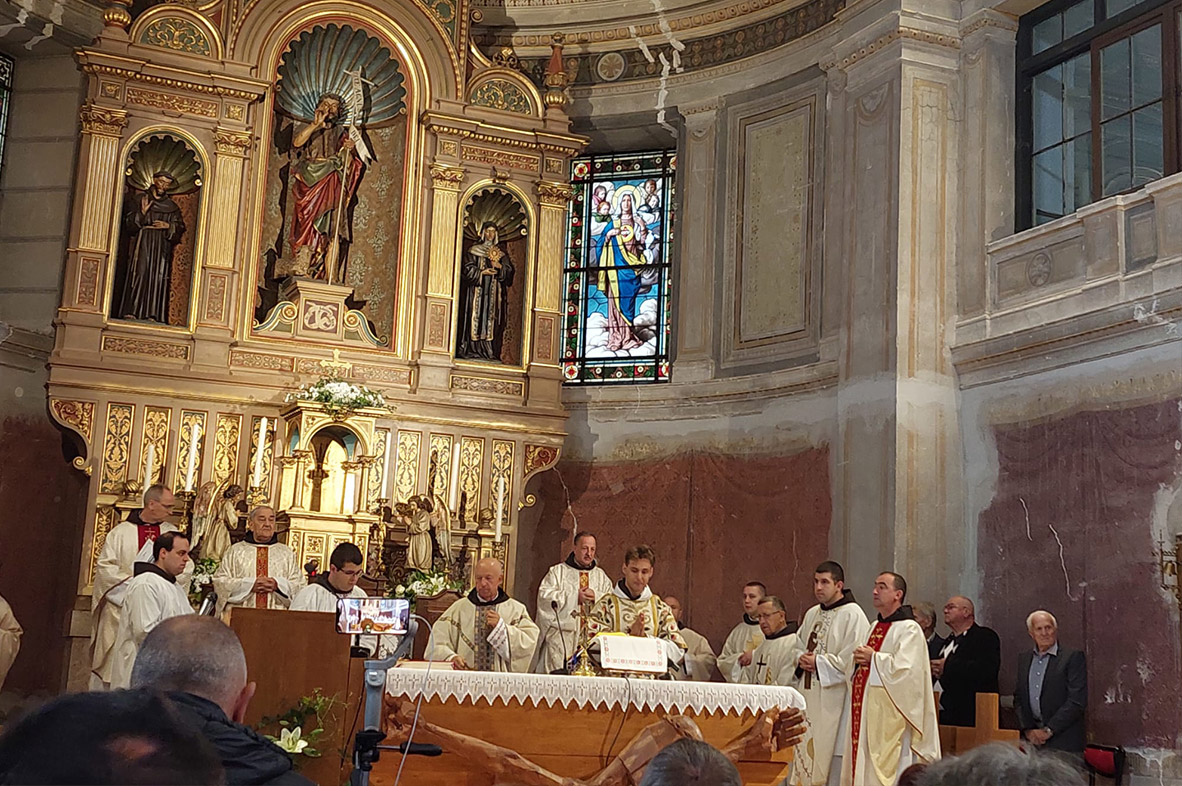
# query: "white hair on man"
[998,764]
[690,762]
[1034,614]
[254,512]
[194,654]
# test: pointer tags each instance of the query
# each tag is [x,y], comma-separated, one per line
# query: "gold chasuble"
[616,611]
[892,709]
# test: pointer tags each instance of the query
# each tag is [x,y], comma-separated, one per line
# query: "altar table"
[572,726]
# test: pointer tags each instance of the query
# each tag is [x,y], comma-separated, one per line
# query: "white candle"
[350,492]
[151,468]
[500,508]
[258,454]
[454,480]
[192,457]
[387,481]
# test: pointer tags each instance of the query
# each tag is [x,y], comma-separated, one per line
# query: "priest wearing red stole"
[259,572]
[128,542]
[892,709]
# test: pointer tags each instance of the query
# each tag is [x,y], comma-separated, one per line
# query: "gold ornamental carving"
[190,419]
[368,373]
[88,278]
[173,84]
[215,299]
[116,448]
[406,468]
[439,462]
[109,90]
[555,194]
[104,519]
[502,387]
[545,342]
[471,463]
[501,470]
[261,360]
[377,481]
[179,34]
[503,95]
[78,416]
[103,121]
[538,458]
[184,104]
[135,346]
[447,178]
[483,155]
[437,326]
[225,448]
[449,147]
[232,143]
[234,112]
[156,424]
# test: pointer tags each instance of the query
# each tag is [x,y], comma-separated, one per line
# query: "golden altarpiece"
[271,192]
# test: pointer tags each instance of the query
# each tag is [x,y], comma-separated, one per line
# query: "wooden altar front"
[571,726]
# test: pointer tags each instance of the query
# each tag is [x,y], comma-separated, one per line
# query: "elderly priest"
[487,630]
[632,607]
[259,572]
[771,662]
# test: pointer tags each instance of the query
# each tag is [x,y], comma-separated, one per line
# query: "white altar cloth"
[596,692]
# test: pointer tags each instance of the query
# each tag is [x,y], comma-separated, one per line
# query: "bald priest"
[486,630]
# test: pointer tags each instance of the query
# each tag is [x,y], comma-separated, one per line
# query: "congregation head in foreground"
[998,764]
[120,737]
[199,663]
[690,762]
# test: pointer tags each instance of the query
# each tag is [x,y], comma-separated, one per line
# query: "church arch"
[172,26]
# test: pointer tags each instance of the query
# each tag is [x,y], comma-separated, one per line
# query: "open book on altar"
[621,652]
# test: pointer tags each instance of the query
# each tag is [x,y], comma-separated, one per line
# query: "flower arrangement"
[310,711]
[202,582]
[425,583]
[338,397]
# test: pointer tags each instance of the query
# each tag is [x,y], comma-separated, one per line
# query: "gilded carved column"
[101,130]
[696,272]
[554,199]
[435,360]
[218,276]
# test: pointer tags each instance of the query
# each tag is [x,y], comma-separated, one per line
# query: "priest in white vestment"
[632,608]
[892,713]
[128,542]
[567,592]
[771,662]
[823,653]
[10,639]
[699,656]
[339,581]
[259,572]
[153,595]
[486,630]
[741,642]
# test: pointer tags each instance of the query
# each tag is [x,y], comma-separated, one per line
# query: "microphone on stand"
[565,659]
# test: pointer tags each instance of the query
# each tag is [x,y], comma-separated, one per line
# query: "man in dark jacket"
[1051,693]
[967,664]
[199,663]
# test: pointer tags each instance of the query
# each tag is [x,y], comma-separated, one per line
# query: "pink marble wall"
[43,503]
[1070,530]
[716,522]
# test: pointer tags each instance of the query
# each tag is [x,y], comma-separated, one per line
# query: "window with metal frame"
[1098,102]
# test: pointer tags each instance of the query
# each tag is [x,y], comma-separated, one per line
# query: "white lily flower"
[289,740]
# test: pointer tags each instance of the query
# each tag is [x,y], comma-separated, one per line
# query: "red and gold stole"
[861,676]
[261,554]
[147,532]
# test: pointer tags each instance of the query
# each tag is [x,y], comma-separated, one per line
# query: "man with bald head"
[699,655]
[968,663]
[259,572]
[199,663]
[485,630]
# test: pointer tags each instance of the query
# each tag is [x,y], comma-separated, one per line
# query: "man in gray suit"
[1052,689]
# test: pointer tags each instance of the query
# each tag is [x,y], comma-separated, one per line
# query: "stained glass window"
[618,257]
[6,64]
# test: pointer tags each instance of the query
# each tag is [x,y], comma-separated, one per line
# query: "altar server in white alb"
[128,542]
[892,715]
[699,655]
[567,592]
[823,654]
[153,595]
[486,630]
[741,642]
[259,572]
[771,663]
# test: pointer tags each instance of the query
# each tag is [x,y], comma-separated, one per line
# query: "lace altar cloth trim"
[595,692]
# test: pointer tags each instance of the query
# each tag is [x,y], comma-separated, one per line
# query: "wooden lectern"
[290,654]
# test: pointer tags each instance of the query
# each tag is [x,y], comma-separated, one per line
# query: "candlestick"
[257,479]
[455,477]
[192,457]
[150,470]
[387,481]
[500,508]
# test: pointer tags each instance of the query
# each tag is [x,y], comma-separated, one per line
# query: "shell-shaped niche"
[316,64]
[497,206]
[164,153]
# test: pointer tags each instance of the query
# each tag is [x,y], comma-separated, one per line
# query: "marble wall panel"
[1072,529]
